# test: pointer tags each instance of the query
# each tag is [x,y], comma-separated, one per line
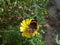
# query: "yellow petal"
[22,29]
[28,21]
[26,34]
[34,33]
[23,23]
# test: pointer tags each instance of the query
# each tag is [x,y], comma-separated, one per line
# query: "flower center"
[30,30]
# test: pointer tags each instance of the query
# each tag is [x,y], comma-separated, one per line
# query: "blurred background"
[12,12]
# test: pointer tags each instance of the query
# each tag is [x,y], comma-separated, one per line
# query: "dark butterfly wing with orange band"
[33,25]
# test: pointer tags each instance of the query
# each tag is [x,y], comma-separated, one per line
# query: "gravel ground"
[52,22]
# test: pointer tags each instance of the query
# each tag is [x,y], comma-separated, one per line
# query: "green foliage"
[12,12]
[57,39]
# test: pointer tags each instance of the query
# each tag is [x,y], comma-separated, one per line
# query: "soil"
[52,23]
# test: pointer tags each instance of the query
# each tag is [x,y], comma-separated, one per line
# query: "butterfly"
[33,25]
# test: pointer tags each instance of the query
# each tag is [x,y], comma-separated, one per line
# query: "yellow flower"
[24,29]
